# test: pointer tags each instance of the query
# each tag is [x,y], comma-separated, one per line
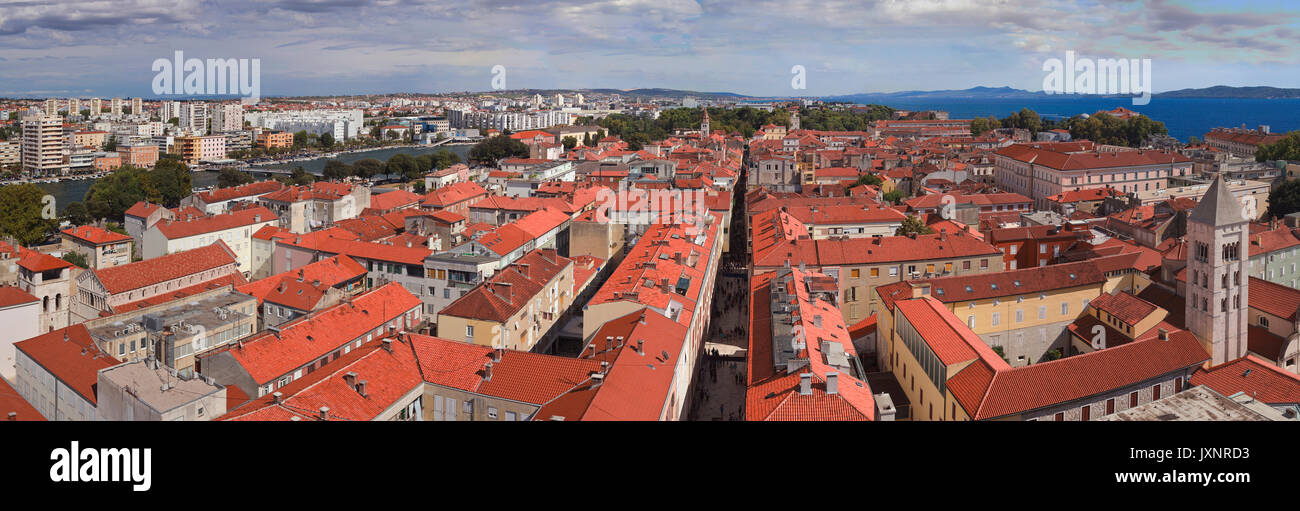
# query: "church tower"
[1218,233]
[704,124]
[794,121]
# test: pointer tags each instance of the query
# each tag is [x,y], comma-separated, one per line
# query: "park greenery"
[491,150]
[1286,149]
[1101,128]
[1285,199]
[166,184]
[25,214]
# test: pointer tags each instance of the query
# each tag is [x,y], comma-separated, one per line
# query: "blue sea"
[1183,117]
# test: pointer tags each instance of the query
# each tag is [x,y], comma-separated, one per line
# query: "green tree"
[869,179]
[77,214]
[402,164]
[1286,149]
[326,140]
[1284,199]
[110,144]
[298,177]
[569,143]
[1194,140]
[367,168]
[110,196]
[911,225]
[493,149]
[444,158]
[336,170]
[232,177]
[173,181]
[25,214]
[174,121]
[894,197]
[982,125]
[418,186]
[76,258]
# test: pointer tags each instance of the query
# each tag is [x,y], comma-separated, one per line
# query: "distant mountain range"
[1218,91]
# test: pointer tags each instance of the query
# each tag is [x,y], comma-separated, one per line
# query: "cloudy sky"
[106,48]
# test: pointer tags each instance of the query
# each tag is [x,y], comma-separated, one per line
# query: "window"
[1178,385]
[1133,399]
[492,413]
[1087,412]
[1155,392]
[1020,315]
[1014,249]
[1042,312]
[1263,321]
[511,416]
[965,265]
[970,321]
[875,272]
[997,318]
[469,330]
[1060,416]
[1110,406]
[984,264]
[893,272]
[855,273]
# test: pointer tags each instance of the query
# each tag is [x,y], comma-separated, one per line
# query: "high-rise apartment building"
[43,145]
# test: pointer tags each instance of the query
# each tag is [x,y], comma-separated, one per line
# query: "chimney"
[497,353]
[832,383]
[324,413]
[361,388]
[604,367]
[277,397]
[640,346]
[943,234]
[805,384]
[350,378]
[13,416]
[487,371]
[388,344]
[1163,334]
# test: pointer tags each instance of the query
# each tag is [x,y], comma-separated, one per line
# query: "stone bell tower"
[1218,233]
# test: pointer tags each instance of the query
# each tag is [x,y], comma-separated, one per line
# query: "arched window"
[58,301]
[45,303]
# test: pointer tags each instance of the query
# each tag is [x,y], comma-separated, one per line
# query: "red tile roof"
[234,279]
[270,355]
[638,383]
[236,192]
[392,200]
[71,356]
[1061,156]
[177,229]
[452,195]
[11,296]
[1036,386]
[1275,299]
[518,375]
[389,378]
[12,402]
[142,209]
[287,289]
[1255,377]
[1123,305]
[33,261]
[119,279]
[95,235]
[379,251]
[506,293]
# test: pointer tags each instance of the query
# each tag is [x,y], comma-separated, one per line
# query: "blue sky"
[105,48]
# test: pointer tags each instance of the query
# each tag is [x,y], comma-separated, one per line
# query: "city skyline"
[317,48]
